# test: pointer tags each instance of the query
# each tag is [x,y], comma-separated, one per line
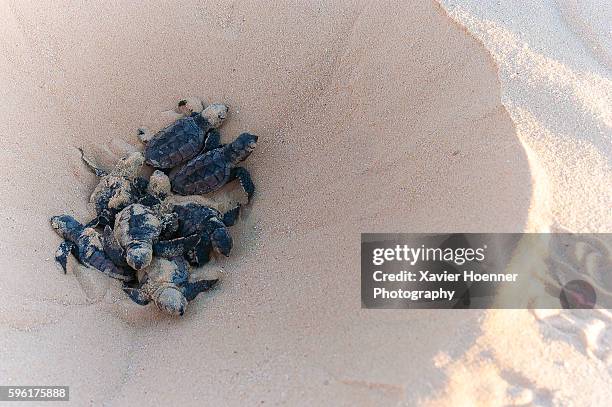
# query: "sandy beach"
[396,116]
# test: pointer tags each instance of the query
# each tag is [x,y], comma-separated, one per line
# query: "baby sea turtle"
[85,244]
[137,233]
[165,282]
[210,171]
[117,189]
[185,138]
[210,225]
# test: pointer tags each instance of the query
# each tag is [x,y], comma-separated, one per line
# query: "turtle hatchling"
[210,225]
[86,245]
[117,189]
[185,138]
[137,233]
[210,171]
[165,282]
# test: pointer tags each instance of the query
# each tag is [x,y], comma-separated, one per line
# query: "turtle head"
[222,241]
[130,165]
[66,226]
[159,185]
[215,114]
[242,147]
[139,255]
[172,301]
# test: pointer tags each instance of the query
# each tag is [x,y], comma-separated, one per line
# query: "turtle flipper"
[175,247]
[92,165]
[137,295]
[112,248]
[246,182]
[62,253]
[213,140]
[191,290]
[230,217]
[101,262]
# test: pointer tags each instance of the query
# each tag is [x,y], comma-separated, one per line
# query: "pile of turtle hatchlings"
[143,237]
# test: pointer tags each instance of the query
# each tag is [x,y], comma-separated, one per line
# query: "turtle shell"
[162,272]
[136,223]
[205,173]
[193,217]
[177,143]
[111,195]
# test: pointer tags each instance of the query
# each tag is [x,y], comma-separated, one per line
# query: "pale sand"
[371,118]
[554,59]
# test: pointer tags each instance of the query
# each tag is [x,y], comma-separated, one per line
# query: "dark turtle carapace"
[185,138]
[210,171]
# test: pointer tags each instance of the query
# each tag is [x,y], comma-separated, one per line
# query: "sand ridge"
[554,71]
[382,117]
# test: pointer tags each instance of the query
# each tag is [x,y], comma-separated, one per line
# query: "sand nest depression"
[371,118]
